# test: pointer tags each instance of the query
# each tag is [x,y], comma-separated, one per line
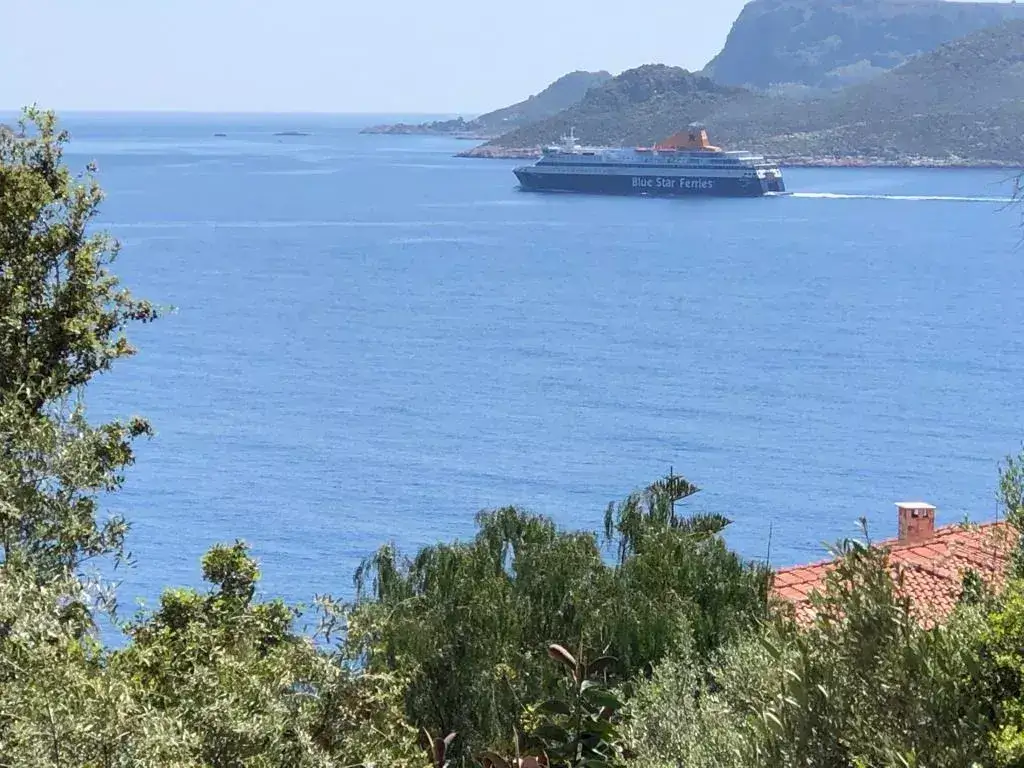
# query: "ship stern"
[773,183]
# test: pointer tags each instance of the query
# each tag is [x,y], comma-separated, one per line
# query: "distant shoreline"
[401,129]
[492,152]
[514,153]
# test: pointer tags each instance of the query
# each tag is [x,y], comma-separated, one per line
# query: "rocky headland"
[564,92]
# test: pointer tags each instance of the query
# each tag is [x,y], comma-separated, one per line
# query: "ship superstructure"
[683,164]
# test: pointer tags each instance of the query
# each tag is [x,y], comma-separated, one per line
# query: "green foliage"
[868,685]
[468,623]
[679,716]
[59,705]
[64,312]
[1011,502]
[247,688]
[864,685]
[212,679]
[579,729]
[208,681]
[675,577]
[1003,643]
[62,321]
[646,513]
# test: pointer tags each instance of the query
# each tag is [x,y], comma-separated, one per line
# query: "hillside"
[960,104]
[833,43]
[637,106]
[561,94]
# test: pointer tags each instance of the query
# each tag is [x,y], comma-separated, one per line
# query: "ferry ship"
[685,164]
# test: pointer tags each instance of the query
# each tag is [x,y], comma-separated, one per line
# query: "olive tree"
[63,318]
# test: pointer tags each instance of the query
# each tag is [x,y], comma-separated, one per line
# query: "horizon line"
[174,111]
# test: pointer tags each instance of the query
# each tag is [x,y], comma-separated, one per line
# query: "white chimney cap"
[913,505]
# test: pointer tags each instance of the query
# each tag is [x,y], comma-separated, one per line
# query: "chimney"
[916,521]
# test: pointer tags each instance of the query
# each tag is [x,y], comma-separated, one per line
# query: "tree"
[63,317]
[247,689]
[60,704]
[215,679]
[469,623]
[1004,638]
[1011,502]
[671,566]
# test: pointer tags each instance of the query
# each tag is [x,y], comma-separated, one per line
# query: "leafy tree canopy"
[63,318]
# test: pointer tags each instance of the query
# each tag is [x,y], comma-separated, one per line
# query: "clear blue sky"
[333,55]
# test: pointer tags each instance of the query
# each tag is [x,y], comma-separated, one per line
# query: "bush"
[863,685]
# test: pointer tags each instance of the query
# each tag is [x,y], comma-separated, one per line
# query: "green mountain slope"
[832,43]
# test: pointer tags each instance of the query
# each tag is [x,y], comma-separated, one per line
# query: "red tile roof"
[931,570]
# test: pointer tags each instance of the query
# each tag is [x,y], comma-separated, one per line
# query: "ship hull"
[647,185]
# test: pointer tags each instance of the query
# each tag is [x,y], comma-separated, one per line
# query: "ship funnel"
[695,137]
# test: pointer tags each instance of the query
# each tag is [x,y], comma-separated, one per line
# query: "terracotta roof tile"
[785,579]
[930,572]
[804,589]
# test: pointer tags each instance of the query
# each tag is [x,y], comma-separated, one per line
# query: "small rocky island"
[459,128]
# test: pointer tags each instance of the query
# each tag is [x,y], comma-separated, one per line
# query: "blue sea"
[372,340]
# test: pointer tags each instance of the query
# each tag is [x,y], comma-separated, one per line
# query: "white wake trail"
[915,198]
